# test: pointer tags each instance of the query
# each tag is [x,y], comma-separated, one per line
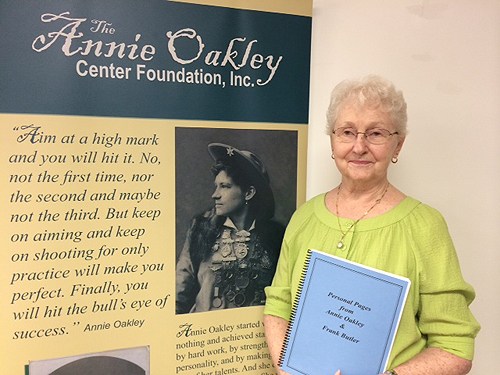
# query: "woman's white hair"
[370,92]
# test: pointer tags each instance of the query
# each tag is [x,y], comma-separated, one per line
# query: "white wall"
[445,56]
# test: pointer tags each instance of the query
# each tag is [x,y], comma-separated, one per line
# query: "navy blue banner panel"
[112,58]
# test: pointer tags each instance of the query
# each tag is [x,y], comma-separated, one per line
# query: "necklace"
[351,226]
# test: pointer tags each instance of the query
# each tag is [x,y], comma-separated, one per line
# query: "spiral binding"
[294,308]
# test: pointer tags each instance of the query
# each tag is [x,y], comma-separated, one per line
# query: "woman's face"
[361,161]
[229,198]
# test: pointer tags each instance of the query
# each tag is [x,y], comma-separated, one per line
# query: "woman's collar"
[229,223]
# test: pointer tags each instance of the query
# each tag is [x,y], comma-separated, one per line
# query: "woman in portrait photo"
[367,220]
[230,252]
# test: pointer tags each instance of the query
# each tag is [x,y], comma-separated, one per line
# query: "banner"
[152,154]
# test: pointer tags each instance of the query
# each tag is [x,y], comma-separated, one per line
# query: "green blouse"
[411,240]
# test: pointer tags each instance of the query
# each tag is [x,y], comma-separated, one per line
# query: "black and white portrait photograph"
[236,190]
[131,361]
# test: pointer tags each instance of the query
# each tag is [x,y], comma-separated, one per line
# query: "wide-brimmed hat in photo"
[253,168]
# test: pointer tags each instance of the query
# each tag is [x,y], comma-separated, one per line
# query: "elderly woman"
[367,220]
[230,252]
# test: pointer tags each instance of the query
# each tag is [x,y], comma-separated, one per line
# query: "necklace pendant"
[340,245]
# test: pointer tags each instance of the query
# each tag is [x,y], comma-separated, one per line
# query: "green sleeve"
[278,295]
[443,313]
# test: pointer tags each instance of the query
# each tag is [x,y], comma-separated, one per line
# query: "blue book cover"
[345,317]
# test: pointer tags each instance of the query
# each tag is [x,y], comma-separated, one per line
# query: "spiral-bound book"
[345,317]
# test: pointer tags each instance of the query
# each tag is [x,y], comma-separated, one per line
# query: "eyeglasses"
[375,136]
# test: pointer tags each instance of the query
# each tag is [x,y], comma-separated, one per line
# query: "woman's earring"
[333,156]
[394,159]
